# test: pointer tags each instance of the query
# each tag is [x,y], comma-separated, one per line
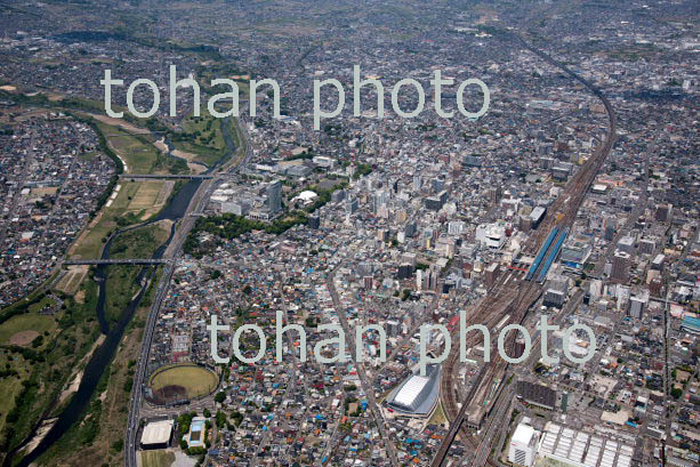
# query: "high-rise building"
[610,227]
[338,196]
[455,228]
[405,271]
[417,182]
[620,266]
[523,445]
[554,297]
[663,212]
[419,279]
[314,222]
[491,274]
[410,229]
[638,304]
[274,196]
[352,205]
[381,198]
[646,246]
[409,258]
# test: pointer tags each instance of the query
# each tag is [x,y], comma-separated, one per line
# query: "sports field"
[159,458]
[23,329]
[183,381]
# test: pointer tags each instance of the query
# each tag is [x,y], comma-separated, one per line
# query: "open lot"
[71,279]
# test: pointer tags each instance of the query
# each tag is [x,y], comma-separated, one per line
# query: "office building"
[620,266]
[274,196]
[523,445]
[663,212]
[638,304]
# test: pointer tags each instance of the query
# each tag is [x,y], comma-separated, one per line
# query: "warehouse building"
[580,449]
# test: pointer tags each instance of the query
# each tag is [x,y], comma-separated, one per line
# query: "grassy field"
[150,197]
[44,303]
[32,378]
[10,385]
[158,458]
[138,152]
[135,201]
[21,329]
[73,332]
[103,424]
[203,137]
[197,381]
[121,280]
[141,242]
[130,206]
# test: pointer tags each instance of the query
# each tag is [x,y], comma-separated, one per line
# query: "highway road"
[197,204]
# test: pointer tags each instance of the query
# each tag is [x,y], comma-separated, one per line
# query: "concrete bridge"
[165,177]
[135,261]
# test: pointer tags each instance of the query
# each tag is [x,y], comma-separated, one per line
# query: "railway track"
[563,213]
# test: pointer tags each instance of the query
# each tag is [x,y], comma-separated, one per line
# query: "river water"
[114,331]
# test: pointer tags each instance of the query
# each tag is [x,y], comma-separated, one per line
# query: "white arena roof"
[418,394]
[411,390]
[306,196]
[157,433]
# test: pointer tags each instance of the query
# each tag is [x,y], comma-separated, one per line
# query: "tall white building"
[523,445]
[492,236]
[455,228]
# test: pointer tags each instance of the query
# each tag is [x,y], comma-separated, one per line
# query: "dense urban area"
[400,269]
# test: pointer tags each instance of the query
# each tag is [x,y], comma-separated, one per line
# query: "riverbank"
[48,377]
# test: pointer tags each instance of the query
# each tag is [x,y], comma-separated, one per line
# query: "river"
[102,358]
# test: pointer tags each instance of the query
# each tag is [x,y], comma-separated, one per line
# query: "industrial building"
[537,394]
[579,449]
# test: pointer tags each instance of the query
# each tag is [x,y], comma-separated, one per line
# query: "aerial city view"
[349,233]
